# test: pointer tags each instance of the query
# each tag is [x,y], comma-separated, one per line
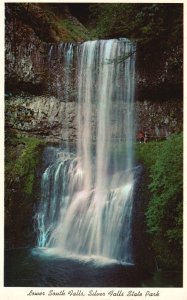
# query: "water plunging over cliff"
[87,196]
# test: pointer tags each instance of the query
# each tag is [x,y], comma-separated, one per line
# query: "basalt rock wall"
[34,85]
[56,120]
[30,30]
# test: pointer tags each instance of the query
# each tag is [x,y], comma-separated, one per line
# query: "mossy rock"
[22,188]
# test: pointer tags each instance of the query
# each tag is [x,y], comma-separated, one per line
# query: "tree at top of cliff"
[142,22]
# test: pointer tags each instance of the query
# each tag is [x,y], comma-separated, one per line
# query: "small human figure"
[140,137]
[146,137]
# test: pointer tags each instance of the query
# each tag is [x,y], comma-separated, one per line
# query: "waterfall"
[60,64]
[87,195]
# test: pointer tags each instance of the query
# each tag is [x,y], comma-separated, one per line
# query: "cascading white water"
[87,197]
[60,62]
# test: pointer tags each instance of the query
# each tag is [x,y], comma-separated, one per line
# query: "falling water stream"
[87,196]
[85,219]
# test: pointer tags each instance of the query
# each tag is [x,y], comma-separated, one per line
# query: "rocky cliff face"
[56,120]
[36,104]
[159,118]
[34,79]
[42,116]
[160,75]
[30,30]
[25,57]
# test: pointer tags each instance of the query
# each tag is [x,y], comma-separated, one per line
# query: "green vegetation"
[145,23]
[52,23]
[164,213]
[23,166]
[74,31]
[157,29]
[21,186]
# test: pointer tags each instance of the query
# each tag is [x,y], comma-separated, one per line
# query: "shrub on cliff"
[140,21]
[156,27]
[164,214]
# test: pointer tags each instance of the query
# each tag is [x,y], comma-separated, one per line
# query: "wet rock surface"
[50,117]
[30,30]
[45,116]
[161,118]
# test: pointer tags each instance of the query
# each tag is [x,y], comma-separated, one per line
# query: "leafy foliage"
[145,23]
[164,212]
[157,29]
[51,22]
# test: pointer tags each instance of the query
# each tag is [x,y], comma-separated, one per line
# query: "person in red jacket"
[140,136]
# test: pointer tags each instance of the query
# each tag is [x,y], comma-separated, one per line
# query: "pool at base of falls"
[96,260]
[29,268]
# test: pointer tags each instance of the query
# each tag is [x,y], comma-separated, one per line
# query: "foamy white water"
[87,199]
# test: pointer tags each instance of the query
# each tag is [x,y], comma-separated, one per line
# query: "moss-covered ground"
[22,158]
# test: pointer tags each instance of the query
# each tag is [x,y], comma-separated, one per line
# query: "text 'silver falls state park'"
[93,147]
